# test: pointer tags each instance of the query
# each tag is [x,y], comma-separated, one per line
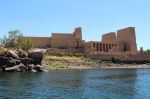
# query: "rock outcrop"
[15,62]
[36,56]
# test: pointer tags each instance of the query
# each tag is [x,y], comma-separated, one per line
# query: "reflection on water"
[83,84]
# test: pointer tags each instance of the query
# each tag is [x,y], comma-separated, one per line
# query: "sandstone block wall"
[40,42]
[78,33]
[106,57]
[127,38]
[137,58]
[72,42]
[65,41]
[109,37]
[56,51]
[61,40]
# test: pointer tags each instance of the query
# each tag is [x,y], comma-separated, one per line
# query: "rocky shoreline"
[92,65]
[17,61]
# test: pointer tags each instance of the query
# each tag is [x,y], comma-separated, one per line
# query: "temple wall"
[59,43]
[138,57]
[106,57]
[121,47]
[109,37]
[100,46]
[127,37]
[40,42]
[62,35]
[55,51]
[78,33]
[65,41]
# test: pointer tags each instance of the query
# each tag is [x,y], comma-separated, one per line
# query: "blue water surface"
[77,84]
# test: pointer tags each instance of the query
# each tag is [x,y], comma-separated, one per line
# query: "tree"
[4,41]
[12,40]
[16,40]
[26,44]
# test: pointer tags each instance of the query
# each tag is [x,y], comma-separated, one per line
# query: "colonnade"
[102,46]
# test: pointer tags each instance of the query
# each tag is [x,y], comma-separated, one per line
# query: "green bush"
[70,54]
[58,66]
[62,54]
[76,55]
[13,39]
[97,61]
[26,44]
[3,52]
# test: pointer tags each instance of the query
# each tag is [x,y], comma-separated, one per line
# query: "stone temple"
[124,41]
[119,46]
[111,43]
[61,42]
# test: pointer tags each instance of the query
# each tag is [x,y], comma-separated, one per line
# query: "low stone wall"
[110,53]
[137,58]
[55,51]
[132,58]
[106,57]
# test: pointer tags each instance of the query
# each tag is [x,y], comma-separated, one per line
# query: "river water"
[77,84]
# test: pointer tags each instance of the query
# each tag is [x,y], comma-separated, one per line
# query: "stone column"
[91,46]
[99,46]
[102,46]
[68,43]
[107,47]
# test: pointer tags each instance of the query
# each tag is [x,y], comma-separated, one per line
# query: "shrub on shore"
[72,54]
[26,44]
[58,66]
[16,41]
[3,52]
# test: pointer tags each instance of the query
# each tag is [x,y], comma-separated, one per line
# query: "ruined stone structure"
[112,44]
[109,37]
[124,41]
[40,42]
[61,42]
[65,41]
[120,46]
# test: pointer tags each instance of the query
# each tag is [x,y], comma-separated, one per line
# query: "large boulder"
[38,68]
[3,51]
[3,60]
[11,63]
[12,54]
[23,54]
[37,56]
[16,68]
[26,61]
[30,67]
[16,52]
[15,60]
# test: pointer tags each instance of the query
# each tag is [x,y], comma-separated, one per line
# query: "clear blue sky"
[96,17]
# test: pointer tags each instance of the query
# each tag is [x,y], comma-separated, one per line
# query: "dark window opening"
[77,45]
[125,48]
[93,44]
